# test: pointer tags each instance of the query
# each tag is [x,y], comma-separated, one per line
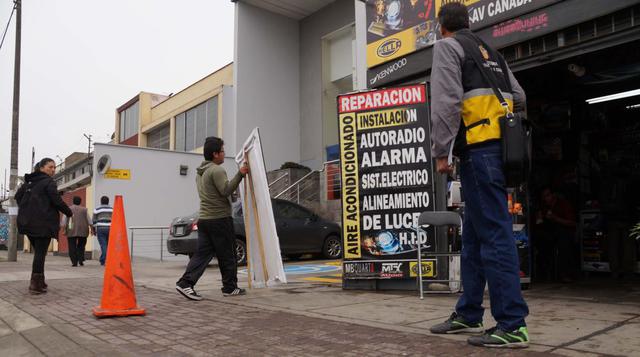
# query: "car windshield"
[291,211]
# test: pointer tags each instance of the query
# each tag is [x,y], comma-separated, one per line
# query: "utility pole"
[33,157]
[89,153]
[13,179]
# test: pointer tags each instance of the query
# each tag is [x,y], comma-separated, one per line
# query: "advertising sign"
[396,28]
[4,228]
[386,180]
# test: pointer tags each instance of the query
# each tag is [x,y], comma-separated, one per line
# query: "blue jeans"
[103,240]
[489,253]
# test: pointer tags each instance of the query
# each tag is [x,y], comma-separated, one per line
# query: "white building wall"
[266,82]
[312,29]
[361,45]
[229,119]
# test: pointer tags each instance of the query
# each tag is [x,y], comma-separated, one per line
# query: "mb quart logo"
[389,47]
[392,268]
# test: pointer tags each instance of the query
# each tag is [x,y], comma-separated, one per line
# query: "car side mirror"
[314,218]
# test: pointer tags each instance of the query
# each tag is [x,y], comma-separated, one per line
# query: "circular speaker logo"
[389,47]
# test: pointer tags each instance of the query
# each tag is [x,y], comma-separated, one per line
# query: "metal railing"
[278,185]
[306,188]
[149,242]
[309,187]
[332,173]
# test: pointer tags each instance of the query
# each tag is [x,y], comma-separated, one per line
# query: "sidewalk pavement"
[299,318]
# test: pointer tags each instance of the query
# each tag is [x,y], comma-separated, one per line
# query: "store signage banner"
[548,20]
[488,12]
[386,180]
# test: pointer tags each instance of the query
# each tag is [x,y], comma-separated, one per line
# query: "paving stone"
[622,341]
[16,319]
[53,343]
[16,345]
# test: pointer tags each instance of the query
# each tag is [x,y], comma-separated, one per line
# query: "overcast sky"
[81,59]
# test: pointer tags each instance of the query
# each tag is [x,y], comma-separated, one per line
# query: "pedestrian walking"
[77,230]
[465,110]
[38,217]
[215,225]
[102,225]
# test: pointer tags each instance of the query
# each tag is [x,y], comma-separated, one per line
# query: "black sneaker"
[456,324]
[189,293]
[497,338]
[234,292]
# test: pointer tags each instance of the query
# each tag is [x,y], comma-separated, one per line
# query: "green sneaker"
[497,338]
[457,324]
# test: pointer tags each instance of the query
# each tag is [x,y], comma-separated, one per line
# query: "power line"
[7,27]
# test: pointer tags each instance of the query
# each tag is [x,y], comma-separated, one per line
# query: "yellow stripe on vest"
[480,107]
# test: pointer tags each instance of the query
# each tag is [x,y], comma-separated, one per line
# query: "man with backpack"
[466,110]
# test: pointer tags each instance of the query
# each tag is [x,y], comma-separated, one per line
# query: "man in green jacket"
[215,225]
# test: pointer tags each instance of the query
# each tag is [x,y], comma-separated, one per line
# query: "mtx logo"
[391,270]
[389,47]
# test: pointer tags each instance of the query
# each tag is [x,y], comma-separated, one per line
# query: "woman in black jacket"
[38,218]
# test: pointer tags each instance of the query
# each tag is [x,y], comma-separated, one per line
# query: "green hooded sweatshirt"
[214,190]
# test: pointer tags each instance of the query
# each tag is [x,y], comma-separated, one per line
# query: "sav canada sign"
[386,178]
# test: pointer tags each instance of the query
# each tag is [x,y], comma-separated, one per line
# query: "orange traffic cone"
[118,293]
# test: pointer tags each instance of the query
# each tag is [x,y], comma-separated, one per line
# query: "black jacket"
[39,203]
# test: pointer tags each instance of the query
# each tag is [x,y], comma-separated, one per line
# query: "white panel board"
[264,260]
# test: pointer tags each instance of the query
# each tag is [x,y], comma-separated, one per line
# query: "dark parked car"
[300,232]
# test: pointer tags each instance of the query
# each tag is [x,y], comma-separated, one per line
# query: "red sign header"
[383,98]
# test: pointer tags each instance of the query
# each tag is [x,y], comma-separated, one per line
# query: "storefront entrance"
[585,183]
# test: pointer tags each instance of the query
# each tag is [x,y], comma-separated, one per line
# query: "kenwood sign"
[395,66]
[401,68]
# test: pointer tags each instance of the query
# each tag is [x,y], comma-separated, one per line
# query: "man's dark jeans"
[489,253]
[215,237]
[103,239]
[76,249]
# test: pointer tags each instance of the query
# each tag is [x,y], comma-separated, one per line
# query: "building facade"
[178,121]
[577,60]
[291,61]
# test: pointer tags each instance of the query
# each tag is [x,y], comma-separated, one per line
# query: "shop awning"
[295,9]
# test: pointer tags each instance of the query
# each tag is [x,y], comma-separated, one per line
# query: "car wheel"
[332,248]
[241,252]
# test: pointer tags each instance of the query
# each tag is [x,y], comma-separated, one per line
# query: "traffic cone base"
[118,291]
[100,312]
